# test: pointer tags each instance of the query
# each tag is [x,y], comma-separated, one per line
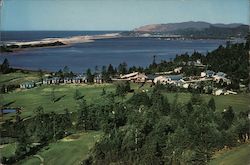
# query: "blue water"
[9,111]
[79,57]
[38,35]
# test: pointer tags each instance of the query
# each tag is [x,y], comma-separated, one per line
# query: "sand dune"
[68,40]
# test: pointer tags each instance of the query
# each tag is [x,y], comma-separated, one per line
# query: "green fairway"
[8,150]
[18,77]
[239,102]
[70,150]
[30,99]
[237,156]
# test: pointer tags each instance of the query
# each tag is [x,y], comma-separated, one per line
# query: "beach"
[49,42]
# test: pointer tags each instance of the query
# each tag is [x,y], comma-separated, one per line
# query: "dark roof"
[151,76]
[28,83]
[210,72]
[221,74]
[176,77]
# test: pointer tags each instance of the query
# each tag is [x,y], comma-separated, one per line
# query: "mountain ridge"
[195,25]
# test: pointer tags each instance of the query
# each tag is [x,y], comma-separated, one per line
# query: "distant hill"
[173,27]
[196,29]
[170,27]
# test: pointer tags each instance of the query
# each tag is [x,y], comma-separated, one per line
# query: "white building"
[203,74]
[135,77]
[185,85]
[218,92]
[178,70]
[162,80]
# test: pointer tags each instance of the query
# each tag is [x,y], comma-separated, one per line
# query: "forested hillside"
[147,129]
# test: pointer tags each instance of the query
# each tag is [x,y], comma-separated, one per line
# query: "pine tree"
[5,67]
[77,94]
[82,115]
[52,95]
[211,104]
[90,77]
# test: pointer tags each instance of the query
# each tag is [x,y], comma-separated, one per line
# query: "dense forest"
[147,129]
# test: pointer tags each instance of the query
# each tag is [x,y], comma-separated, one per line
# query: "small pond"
[6,111]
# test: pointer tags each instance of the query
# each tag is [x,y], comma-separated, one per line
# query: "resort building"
[171,79]
[178,70]
[220,76]
[27,85]
[162,80]
[218,92]
[98,79]
[134,77]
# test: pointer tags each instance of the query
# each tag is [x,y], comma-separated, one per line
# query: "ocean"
[79,57]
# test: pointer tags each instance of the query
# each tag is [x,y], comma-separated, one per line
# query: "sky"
[117,14]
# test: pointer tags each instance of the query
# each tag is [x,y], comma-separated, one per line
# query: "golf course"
[74,148]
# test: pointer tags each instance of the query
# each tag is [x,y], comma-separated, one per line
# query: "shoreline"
[54,42]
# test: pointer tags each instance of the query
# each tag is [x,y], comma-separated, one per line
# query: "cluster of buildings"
[174,77]
[66,80]
[177,79]
[58,80]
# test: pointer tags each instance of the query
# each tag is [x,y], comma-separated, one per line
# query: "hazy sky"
[117,14]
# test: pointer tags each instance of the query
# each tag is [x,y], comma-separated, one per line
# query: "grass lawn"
[30,99]
[18,77]
[237,156]
[239,102]
[70,150]
[73,149]
[8,150]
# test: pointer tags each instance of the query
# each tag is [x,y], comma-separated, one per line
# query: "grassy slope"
[239,102]
[237,156]
[8,150]
[18,77]
[30,99]
[66,152]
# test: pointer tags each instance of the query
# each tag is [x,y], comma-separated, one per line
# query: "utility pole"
[154,59]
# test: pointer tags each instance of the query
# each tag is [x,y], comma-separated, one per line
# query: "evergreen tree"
[5,67]
[227,116]
[90,77]
[122,88]
[82,115]
[103,92]
[111,70]
[67,119]
[122,68]
[52,95]
[40,74]
[77,94]
[66,71]
[211,104]
[158,101]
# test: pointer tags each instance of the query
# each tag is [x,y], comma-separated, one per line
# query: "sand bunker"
[71,137]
